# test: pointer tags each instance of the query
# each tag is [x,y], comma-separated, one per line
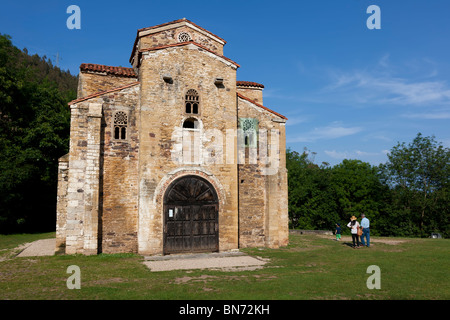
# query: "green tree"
[358,190]
[311,201]
[34,133]
[419,177]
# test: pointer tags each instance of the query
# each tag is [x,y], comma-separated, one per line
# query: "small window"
[192,102]
[184,37]
[120,125]
[190,123]
[249,130]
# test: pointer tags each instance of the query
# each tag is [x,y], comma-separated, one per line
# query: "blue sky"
[349,92]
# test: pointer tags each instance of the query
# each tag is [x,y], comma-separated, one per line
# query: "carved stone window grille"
[184,37]
[249,131]
[192,102]
[120,125]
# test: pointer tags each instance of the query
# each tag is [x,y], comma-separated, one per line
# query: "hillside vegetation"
[34,133]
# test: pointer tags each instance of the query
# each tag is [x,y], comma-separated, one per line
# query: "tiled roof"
[260,105]
[248,84]
[166,24]
[97,94]
[116,71]
[184,44]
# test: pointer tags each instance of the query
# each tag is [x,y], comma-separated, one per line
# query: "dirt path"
[372,239]
[39,248]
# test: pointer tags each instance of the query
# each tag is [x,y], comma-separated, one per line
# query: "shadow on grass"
[350,244]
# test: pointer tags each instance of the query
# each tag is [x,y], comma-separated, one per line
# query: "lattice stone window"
[184,37]
[192,102]
[120,125]
[249,131]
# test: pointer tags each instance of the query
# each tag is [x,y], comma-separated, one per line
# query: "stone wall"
[263,214]
[162,116]
[119,175]
[86,188]
[61,204]
[170,36]
[76,179]
[253,93]
[91,83]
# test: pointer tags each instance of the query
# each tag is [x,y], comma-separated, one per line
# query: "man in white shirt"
[365,224]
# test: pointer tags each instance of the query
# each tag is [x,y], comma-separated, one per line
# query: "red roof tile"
[260,105]
[116,71]
[248,84]
[184,44]
[97,94]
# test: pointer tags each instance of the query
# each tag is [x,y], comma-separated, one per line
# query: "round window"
[184,37]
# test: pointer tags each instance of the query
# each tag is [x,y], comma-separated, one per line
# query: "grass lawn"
[312,267]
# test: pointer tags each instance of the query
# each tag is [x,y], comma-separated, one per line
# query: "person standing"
[354,226]
[338,231]
[365,224]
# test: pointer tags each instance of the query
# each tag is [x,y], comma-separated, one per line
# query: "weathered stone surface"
[112,184]
[95,82]
[253,93]
[61,208]
[263,215]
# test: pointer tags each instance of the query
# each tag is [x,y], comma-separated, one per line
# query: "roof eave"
[184,44]
[138,36]
[98,94]
[260,105]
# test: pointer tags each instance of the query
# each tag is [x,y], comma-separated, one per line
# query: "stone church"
[172,154]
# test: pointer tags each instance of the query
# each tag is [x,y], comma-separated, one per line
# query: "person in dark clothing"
[354,225]
[338,232]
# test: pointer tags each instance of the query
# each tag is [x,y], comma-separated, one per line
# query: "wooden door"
[191,217]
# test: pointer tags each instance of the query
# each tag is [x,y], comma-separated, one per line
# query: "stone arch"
[183,171]
[151,239]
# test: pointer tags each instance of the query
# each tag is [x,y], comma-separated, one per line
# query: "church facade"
[173,154]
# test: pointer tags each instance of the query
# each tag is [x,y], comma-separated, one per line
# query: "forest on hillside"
[34,133]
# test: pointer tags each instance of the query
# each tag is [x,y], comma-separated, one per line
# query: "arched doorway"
[191,216]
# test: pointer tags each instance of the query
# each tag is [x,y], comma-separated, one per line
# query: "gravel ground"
[39,248]
[226,261]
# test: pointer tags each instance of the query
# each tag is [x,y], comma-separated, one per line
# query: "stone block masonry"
[133,132]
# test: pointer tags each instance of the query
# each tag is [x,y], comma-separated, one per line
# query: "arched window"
[191,123]
[192,102]
[120,125]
